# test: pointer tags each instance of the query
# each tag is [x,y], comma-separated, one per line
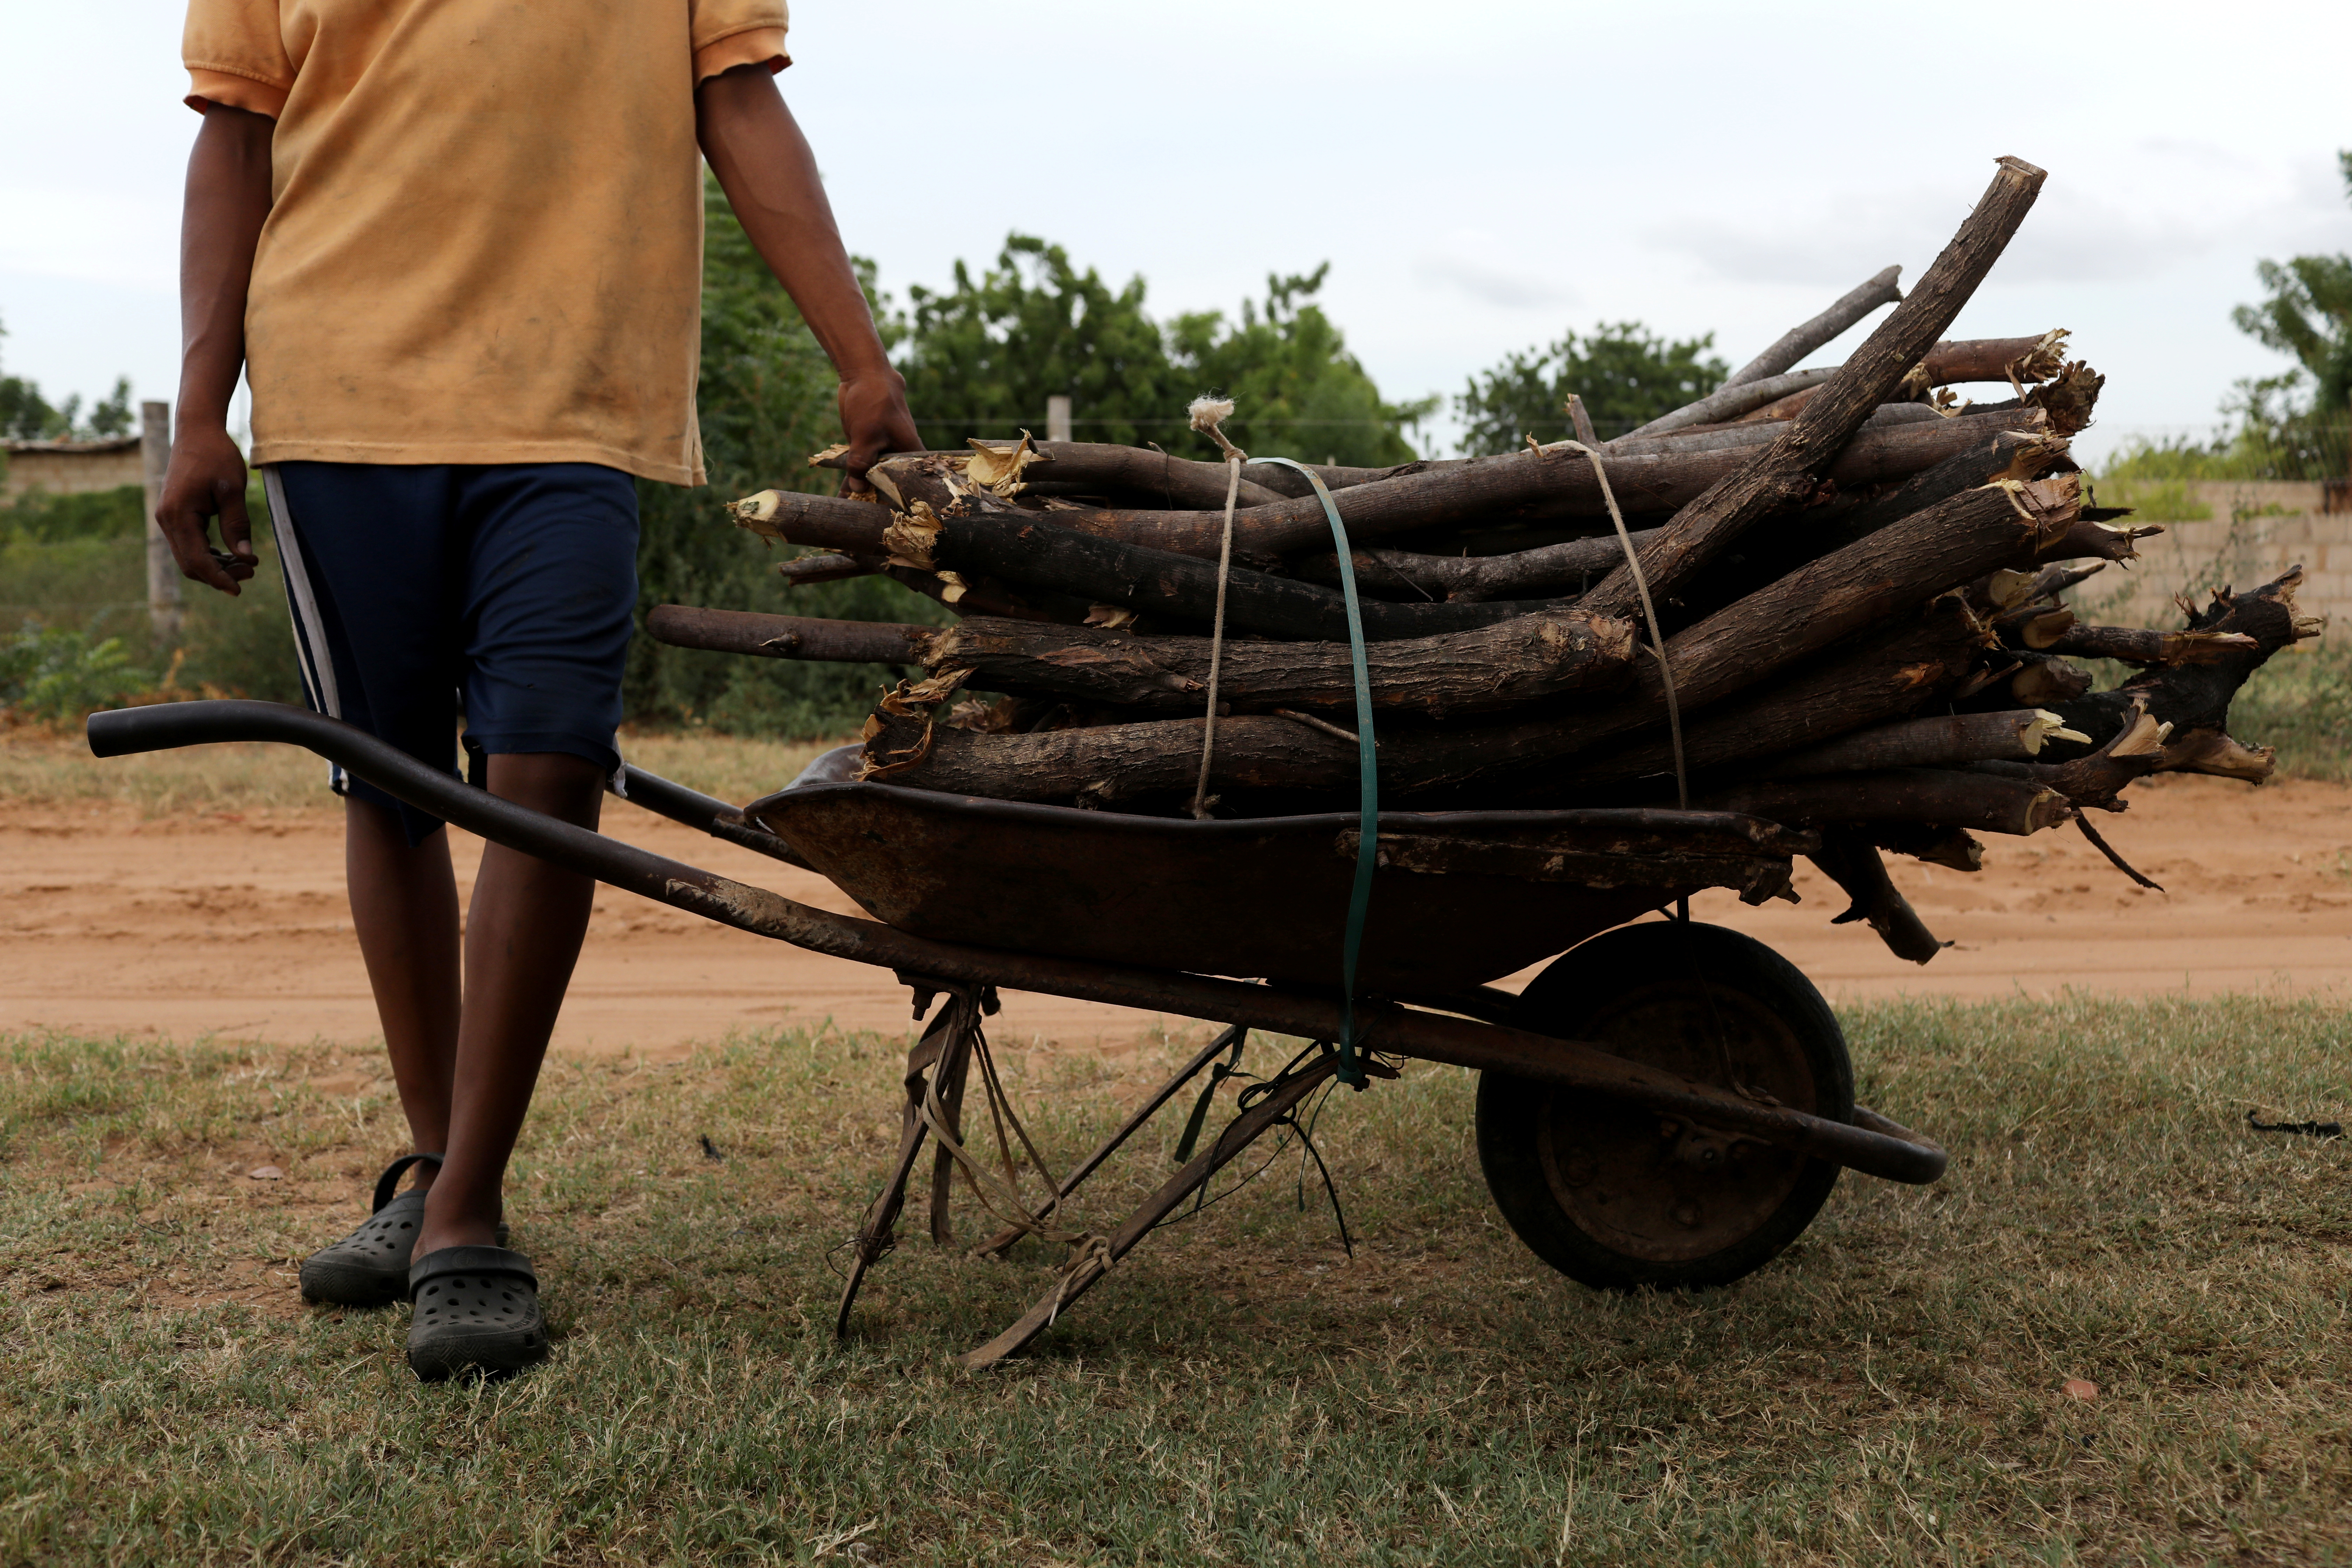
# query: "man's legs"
[522,937]
[405,910]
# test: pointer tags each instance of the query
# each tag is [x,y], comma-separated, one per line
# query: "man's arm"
[764,166]
[221,216]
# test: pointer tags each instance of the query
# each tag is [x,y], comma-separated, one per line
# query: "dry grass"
[42,767]
[1886,1392]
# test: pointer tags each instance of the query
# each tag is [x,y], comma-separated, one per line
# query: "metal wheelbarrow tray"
[1668,1104]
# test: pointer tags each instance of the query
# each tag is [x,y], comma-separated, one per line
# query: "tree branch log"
[1980,801]
[2194,699]
[788,637]
[1849,858]
[1798,342]
[1464,672]
[1785,472]
[1939,740]
[1520,484]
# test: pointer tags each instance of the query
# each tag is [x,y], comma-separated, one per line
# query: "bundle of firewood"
[1858,580]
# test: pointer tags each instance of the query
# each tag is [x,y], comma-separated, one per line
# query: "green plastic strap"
[1367,832]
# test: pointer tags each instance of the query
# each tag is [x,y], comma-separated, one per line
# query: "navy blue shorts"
[504,592]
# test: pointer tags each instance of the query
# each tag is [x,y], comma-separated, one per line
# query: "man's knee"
[556,783]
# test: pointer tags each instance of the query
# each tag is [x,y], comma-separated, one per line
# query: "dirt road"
[233,925]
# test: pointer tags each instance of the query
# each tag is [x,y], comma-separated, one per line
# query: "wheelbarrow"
[1667,1104]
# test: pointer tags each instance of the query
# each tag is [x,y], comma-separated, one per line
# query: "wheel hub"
[1669,1190]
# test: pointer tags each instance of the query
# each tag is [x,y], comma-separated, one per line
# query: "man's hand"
[206,479]
[874,419]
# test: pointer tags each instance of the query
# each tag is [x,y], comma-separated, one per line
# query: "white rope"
[1649,613]
[1207,415]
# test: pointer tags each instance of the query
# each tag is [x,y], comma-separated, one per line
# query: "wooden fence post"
[162,571]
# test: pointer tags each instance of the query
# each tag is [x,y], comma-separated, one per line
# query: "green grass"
[1888,1391]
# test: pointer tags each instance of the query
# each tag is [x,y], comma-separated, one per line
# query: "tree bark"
[2027,360]
[1779,545]
[2195,698]
[1548,571]
[1948,846]
[1946,797]
[1899,567]
[2097,780]
[1878,676]
[1828,600]
[1520,484]
[2047,681]
[1464,672]
[788,637]
[2010,361]
[826,568]
[1070,468]
[1799,342]
[1733,399]
[1941,740]
[2136,645]
[1786,471]
[1849,858]
[1028,549]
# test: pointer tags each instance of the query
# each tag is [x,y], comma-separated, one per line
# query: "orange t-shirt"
[485,242]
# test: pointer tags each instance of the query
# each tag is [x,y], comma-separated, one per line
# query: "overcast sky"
[1481,176]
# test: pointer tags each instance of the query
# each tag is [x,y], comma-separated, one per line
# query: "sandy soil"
[233,925]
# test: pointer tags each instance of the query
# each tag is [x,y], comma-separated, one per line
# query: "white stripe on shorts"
[311,651]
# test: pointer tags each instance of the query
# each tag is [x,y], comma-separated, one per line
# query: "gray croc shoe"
[369,1267]
[476,1310]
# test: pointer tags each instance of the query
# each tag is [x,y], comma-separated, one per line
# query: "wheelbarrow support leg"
[947,1037]
[999,1244]
[953,1071]
[1269,1112]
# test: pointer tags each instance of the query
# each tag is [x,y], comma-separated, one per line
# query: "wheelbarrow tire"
[1620,1198]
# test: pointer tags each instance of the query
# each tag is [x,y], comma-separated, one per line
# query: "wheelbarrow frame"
[1473,1031]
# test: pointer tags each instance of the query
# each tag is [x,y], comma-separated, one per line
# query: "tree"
[1626,375]
[2309,316]
[1298,390]
[983,358]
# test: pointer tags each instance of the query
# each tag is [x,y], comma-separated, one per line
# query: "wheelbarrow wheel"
[1619,1198]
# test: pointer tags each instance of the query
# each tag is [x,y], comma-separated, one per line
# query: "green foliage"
[766,400]
[80,561]
[241,647]
[2267,442]
[2309,315]
[52,674]
[2294,426]
[983,358]
[1626,375]
[40,518]
[2301,703]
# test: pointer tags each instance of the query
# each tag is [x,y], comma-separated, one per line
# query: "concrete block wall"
[70,468]
[2248,533]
